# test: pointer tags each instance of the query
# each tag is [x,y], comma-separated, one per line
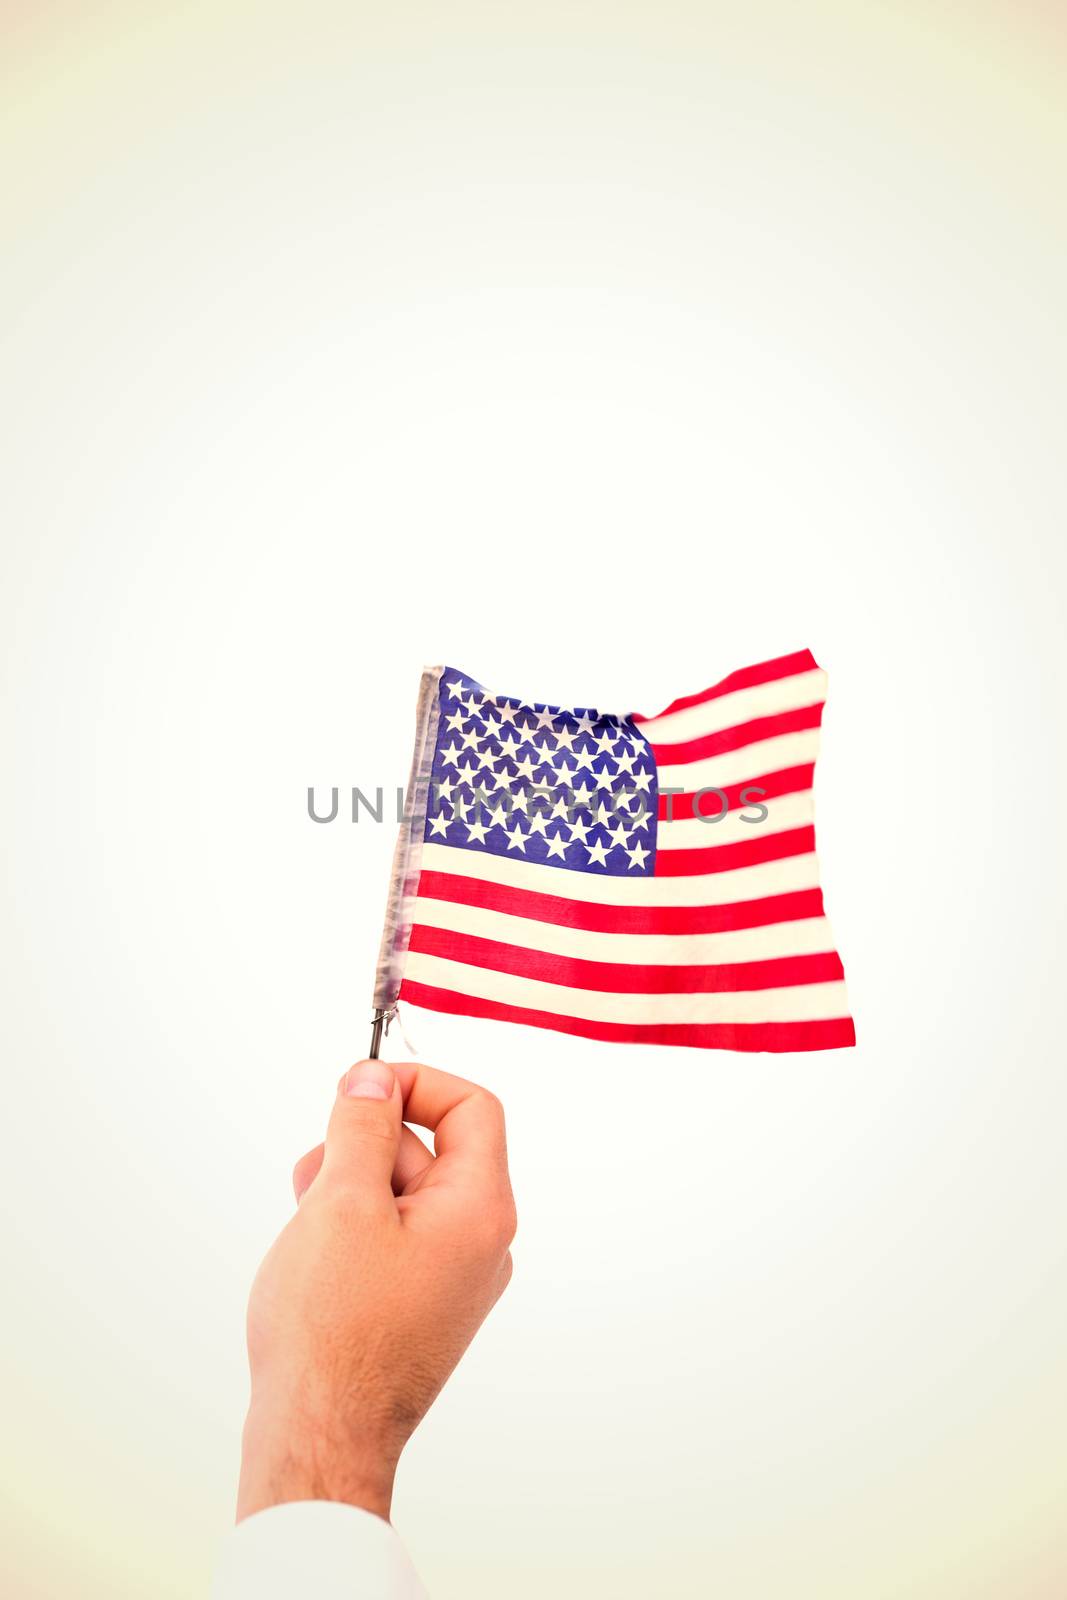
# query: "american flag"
[650,880]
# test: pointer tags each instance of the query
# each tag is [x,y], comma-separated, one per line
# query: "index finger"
[467,1121]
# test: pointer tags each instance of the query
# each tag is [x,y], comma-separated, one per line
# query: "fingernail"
[372,1080]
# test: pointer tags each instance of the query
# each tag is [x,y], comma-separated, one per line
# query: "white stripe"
[706,889]
[728,710]
[751,761]
[805,937]
[803,1002]
[691,833]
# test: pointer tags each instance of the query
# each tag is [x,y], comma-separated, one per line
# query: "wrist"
[287,1456]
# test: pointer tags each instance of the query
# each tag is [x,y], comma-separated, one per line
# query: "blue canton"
[562,788]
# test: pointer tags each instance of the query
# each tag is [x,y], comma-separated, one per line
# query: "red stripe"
[717,744]
[725,857]
[791,780]
[594,918]
[836,1033]
[746,678]
[621,977]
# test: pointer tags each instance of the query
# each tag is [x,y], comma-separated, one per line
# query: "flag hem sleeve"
[407,856]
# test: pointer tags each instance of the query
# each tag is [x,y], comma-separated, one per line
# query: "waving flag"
[650,880]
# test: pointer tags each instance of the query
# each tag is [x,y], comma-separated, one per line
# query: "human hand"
[374,1289]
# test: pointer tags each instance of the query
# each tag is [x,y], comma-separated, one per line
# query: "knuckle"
[348,1202]
[335,1191]
[489,1103]
[509,1218]
[498,1224]
[372,1122]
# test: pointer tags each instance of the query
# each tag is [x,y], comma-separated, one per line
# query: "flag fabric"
[649,880]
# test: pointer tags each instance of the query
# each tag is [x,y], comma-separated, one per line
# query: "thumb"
[364,1130]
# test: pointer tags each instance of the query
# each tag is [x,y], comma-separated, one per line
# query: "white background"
[596,351]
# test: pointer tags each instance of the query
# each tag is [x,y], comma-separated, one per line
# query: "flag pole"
[376,1034]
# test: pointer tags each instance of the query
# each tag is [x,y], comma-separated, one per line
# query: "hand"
[374,1289]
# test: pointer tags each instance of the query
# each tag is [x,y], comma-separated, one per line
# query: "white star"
[451,753]
[603,815]
[487,760]
[472,704]
[463,809]
[598,853]
[585,723]
[639,820]
[584,759]
[538,822]
[604,778]
[476,832]
[455,721]
[524,768]
[498,817]
[564,774]
[506,711]
[439,825]
[579,831]
[544,752]
[564,737]
[556,845]
[641,780]
[518,801]
[618,834]
[638,856]
[582,795]
[560,809]
[516,839]
[456,689]
[626,761]
[471,737]
[606,741]
[544,717]
[509,746]
[443,788]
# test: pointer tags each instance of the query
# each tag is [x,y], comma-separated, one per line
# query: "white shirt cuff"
[318,1548]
